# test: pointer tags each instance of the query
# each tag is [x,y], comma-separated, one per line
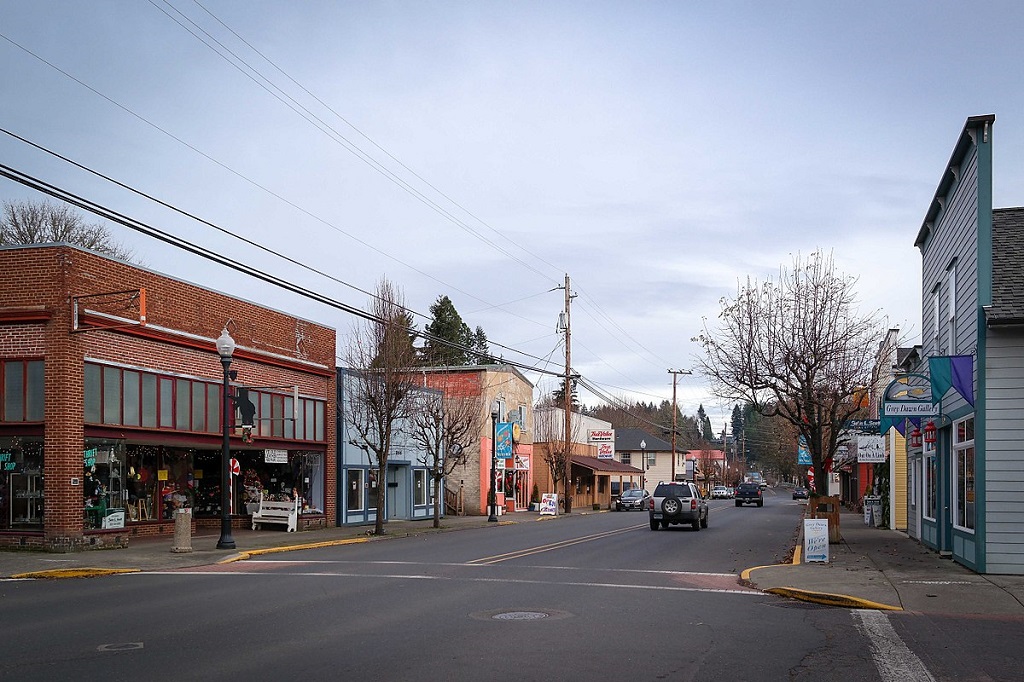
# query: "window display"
[21,482]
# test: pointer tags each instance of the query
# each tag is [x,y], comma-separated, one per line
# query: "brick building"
[111,401]
[505,389]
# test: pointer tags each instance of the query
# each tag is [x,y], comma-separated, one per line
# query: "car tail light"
[650,503]
[693,504]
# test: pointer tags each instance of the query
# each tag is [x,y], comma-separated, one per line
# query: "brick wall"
[36,289]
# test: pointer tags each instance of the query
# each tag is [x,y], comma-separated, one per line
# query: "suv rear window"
[672,490]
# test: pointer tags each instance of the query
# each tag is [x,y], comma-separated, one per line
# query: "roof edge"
[959,149]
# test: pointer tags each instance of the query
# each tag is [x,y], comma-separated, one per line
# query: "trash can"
[182,531]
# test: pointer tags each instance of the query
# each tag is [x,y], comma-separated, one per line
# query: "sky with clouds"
[658,153]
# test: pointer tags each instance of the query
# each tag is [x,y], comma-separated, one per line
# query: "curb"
[827,599]
[84,572]
[242,556]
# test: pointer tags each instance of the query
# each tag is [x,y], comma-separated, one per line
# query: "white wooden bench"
[284,513]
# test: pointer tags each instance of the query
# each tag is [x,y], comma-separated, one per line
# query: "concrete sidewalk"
[885,569]
[154,554]
[869,568]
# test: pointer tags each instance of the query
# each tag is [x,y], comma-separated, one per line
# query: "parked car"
[634,498]
[800,493]
[749,493]
[721,492]
[678,502]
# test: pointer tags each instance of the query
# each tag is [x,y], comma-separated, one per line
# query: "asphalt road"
[595,597]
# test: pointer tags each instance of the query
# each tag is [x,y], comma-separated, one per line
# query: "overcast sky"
[656,152]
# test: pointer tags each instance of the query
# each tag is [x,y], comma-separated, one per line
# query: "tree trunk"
[382,487]
[437,502]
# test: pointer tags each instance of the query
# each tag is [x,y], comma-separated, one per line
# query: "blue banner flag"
[503,446]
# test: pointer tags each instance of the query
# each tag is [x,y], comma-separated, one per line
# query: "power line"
[248,180]
[150,231]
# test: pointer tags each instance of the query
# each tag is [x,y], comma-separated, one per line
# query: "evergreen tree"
[737,421]
[558,396]
[704,424]
[448,338]
[481,349]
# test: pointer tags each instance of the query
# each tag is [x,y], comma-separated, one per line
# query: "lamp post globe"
[226,349]
[492,496]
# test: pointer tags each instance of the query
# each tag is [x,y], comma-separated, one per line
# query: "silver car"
[678,502]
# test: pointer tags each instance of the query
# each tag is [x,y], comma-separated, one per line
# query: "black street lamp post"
[492,498]
[225,348]
[643,464]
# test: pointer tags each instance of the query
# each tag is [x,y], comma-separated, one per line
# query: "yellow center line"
[485,561]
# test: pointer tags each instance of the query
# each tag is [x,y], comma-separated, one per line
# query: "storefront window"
[372,489]
[963,459]
[21,483]
[931,476]
[355,490]
[281,475]
[419,487]
[104,479]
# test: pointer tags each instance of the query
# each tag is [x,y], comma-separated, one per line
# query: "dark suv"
[678,502]
[749,493]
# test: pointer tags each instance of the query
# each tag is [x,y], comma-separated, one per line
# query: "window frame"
[964,478]
[951,316]
[930,486]
[419,488]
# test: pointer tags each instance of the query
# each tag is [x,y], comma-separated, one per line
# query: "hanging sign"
[870,449]
[909,408]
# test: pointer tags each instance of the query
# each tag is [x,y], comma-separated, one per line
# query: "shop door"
[397,491]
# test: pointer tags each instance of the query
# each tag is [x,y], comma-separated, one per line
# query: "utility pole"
[567,406]
[675,375]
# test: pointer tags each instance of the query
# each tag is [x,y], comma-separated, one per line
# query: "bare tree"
[549,427]
[26,222]
[445,426]
[797,349]
[380,395]
[708,466]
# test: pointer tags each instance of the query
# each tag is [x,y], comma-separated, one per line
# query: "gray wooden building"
[966,476]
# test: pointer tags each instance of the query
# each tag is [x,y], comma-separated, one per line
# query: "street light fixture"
[643,463]
[492,500]
[226,348]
